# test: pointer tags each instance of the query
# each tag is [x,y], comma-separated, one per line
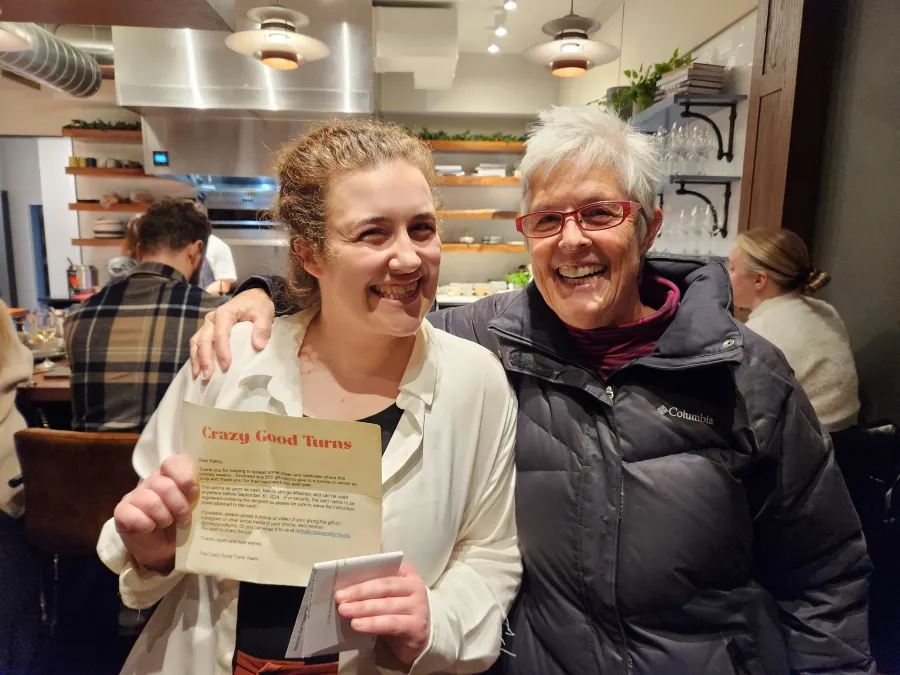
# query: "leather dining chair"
[72,483]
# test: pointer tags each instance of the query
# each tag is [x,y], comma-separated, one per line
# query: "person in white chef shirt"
[357,201]
[219,272]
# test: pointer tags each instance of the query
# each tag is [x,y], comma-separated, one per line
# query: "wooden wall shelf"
[105,136]
[115,208]
[476,146]
[478,214]
[98,242]
[482,248]
[501,181]
[98,172]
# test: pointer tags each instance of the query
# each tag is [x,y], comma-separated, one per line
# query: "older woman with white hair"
[678,504]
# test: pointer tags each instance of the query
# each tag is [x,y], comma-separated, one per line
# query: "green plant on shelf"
[428,135]
[641,92]
[620,100]
[519,278]
[101,125]
[644,84]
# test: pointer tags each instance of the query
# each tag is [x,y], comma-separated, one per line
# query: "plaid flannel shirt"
[127,342]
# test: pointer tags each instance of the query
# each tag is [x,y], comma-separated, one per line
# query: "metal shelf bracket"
[717,229]
[722,154]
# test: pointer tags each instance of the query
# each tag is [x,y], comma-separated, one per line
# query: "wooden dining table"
[44,389]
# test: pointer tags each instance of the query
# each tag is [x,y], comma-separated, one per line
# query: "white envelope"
[319,628]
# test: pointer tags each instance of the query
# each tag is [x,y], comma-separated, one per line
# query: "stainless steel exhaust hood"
[210,111]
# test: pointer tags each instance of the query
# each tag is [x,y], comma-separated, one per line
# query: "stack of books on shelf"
[449,170]
[488,169]
[696,78]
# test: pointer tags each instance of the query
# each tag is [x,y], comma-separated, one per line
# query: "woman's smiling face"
[589,279]
[384,251]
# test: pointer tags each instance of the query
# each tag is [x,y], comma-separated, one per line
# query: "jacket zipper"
[629,664]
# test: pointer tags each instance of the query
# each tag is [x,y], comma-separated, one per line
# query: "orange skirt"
[244,664]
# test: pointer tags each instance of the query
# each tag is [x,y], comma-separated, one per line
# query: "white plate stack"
[109,228]
[449,170]
[490,169]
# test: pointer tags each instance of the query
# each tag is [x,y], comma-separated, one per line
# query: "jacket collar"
[703,330]
[279,365]
[158,270]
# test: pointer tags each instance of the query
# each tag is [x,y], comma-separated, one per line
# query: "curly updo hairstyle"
[305,168]
[784,258]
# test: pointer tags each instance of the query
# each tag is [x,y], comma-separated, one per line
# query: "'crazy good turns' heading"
[262,435]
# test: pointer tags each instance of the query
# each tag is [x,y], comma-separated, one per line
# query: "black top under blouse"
[267,613]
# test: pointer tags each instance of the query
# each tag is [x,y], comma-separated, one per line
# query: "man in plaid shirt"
[127,342]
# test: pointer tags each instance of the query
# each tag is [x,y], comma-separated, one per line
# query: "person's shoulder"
[763,356]
[471,321]
[468,363]
[283,336]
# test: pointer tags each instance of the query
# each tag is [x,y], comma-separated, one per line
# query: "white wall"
[485,84]
[647,31]
[856,236]
[60,224]
[23,183]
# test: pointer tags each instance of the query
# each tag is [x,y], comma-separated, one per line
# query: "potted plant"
[643,84]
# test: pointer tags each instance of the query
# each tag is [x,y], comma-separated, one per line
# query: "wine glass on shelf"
[706,145]
[710,229]
[677,148]
[42,331]
[680,231]
[695,240]
[661,140]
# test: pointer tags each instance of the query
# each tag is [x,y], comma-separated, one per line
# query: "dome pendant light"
[571,52]
[276,43]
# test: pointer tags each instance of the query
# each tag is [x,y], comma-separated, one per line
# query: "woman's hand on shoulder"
[213,340]
[146,517]
[394,608]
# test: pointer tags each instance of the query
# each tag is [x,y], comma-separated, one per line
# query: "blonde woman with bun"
[771,274]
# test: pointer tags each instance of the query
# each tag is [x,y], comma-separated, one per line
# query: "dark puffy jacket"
[684,516]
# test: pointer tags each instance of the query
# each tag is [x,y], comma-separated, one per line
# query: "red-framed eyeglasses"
[589,218]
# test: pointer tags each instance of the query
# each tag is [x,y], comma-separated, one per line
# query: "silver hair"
[592,138]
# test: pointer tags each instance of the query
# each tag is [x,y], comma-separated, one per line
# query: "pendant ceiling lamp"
[276,43]
[571,52]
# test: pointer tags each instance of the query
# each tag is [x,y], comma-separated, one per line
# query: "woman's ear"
[304,253]
[653,225]
[760,281]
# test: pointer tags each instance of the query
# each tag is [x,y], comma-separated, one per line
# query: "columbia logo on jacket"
[684,415]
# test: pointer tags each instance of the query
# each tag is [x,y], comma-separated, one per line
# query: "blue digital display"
[160,158]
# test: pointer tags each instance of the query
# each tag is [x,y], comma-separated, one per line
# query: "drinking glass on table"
[42,330]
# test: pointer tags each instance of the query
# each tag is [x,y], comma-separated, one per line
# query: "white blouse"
[448,483]
[815,343]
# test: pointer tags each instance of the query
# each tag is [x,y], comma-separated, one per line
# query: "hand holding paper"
[395,608]
[146,517]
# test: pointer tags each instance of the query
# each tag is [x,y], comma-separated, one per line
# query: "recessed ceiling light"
[510,4]
[500,31]
[493,49]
